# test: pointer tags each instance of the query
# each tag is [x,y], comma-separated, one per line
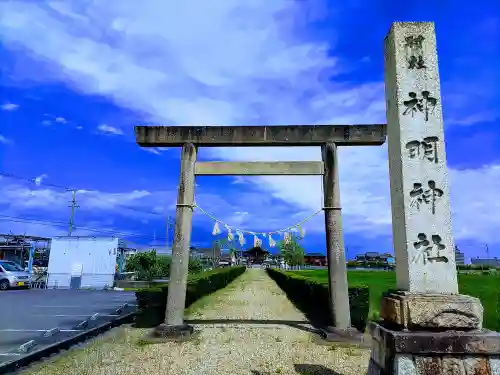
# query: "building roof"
[25,237]
[486,259]
[314,255]
[256,251]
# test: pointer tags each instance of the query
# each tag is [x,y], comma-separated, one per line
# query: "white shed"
[83,262]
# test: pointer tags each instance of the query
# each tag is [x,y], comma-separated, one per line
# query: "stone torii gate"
[426,326]
[329,137]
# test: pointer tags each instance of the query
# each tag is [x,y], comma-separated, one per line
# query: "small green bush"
[150,306]
[152,302]
[352,264]
[150,265]
[312,298]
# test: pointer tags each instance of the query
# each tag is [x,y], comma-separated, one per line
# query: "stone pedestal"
[417,311]
[450,352]
[428,334]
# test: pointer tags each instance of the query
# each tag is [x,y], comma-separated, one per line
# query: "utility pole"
[72,216]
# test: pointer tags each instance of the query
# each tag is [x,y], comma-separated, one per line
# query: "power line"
[74,205]
[34,181]
[63,224]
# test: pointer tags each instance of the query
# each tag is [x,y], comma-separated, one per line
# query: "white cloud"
[4,140]
[475,118]
[20,198]
[232,62]
[20,204]
[8,225]
[20,201]
[107,129]
[238,180]
[39,179]
[49,229]
[154,150]
[476,203]
[9,107]
[54,119]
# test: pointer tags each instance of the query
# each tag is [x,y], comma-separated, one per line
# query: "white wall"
[92,258]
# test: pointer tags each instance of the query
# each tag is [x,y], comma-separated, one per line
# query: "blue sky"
[76,81]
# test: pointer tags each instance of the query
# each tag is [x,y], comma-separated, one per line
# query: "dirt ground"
[249,327]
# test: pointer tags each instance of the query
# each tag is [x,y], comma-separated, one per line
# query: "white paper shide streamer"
[272,242]
[241,238]
[216,229]
[230,235]
[302,231]
[257,242]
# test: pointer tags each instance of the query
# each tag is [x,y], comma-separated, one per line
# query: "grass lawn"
[485,287]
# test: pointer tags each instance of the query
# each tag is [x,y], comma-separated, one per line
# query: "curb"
[25,360]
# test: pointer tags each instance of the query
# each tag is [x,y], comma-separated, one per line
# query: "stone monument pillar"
[426,327]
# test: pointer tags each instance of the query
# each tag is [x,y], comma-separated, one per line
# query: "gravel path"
[250,327]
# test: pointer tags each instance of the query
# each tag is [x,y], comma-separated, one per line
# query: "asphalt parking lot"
[33,319]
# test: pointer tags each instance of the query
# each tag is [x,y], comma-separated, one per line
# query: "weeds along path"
[249,327]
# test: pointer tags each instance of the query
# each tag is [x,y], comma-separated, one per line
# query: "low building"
[315,259]
[486,262]
[206,255]
[16,248]
[225,261]
[83,262]
[256,255]
[375,257]
[129,252]
[459,257]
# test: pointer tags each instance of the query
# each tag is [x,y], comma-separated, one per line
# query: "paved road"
[27,314]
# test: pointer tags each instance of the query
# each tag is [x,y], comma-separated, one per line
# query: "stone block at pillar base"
[431,311]
[401,352]
[173,332]
[348,336]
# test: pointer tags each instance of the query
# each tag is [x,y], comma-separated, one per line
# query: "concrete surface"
[26,315]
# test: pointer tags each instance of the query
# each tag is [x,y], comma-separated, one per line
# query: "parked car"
[13,275]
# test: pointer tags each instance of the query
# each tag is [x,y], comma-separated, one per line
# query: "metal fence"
[39,280]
